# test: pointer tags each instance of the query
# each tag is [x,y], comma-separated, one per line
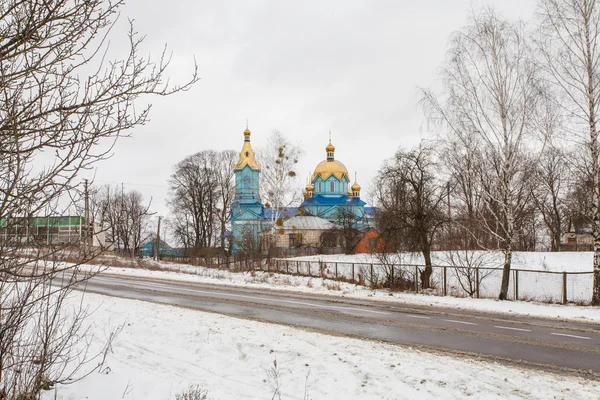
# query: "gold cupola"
[247,156]
[355,187]
[309,191]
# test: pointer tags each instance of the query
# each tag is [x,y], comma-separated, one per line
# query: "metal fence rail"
[483,282]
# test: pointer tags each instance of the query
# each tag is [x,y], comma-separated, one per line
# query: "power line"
[131,184]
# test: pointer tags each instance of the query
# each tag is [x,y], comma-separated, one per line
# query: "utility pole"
[86,232]
[449,215]
[156,253]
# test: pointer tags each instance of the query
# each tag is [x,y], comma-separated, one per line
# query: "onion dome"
[330,147]
[355,187]
[309,191]
[327,168]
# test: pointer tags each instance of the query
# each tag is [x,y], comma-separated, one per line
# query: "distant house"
[371,242]
[576,241]
[149,247]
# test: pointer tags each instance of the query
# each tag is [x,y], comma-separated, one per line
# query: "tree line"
[516,157]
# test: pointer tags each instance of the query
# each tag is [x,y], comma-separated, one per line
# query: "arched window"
[332,186]
[320,186]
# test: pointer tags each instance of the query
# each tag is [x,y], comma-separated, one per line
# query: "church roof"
[327,201]
[307,222]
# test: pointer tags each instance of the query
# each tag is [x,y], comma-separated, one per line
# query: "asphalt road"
[542,343]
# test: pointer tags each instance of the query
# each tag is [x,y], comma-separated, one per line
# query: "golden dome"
[247,132]
[356,187]
[310,187]
[327,168]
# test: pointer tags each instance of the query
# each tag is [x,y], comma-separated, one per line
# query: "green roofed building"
[51,230]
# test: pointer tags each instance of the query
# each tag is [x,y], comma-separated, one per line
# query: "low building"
[303,234]
[165,249]
[577,241]
[51,230]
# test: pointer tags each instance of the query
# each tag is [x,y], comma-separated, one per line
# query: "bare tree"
[411,200]
[201,191]
[552,174]
[225,174]
[346,228]
[470,267]
[568,48]
[194,195]
[123,216]
[462,158]
[279,161]
[59,95]
[490,87]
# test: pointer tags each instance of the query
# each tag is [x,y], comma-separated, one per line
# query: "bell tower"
[247,212]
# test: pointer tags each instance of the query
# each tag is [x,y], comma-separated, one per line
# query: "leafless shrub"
[193,392]
[274,380]
[467,266]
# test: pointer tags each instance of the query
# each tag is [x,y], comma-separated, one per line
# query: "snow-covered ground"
[539,277]
[263,280]
[162,350]
[546,261]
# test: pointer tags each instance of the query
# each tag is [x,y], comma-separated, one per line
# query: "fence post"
[564,289]
[297,268]
[416,279]
[477,281]
[336,276]
[309,268]
[517,285]
[287,268]
[445,282]
[392,278]
[352,272]
[372,283]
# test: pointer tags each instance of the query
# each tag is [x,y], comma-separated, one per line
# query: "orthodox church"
[328,199]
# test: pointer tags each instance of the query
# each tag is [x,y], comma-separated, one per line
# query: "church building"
[328,198]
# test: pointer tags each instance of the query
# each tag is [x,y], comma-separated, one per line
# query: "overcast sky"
[301,67]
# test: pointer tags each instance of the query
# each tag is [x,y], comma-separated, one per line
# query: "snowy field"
[262,280]
[544,285]
[162,350]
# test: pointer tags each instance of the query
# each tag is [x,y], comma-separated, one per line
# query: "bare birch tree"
[63,103]
[490,89]
[569,51]
[279,162]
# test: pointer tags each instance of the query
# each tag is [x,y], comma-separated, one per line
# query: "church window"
[332,185]
[247,154]
[320,186]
